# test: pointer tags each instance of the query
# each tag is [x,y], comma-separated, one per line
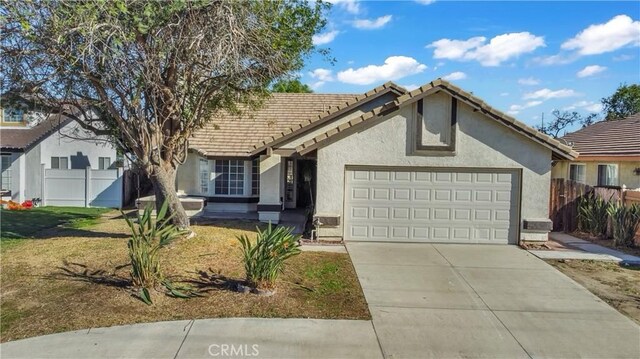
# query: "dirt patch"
[635,251]
[616,284]
[80,279]
[549,245]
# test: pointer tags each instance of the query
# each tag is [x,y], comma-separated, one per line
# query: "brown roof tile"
[22,138]
[282,113]
[608,138]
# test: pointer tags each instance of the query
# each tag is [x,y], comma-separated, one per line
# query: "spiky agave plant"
[264,260]
[593,214]
[625,222]
[148,237]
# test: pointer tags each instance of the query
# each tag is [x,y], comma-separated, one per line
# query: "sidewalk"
[228,337]
[584,250]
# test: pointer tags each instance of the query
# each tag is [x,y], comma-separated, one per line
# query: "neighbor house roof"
[283,115]
[608,138]
[560,150]
[22,138]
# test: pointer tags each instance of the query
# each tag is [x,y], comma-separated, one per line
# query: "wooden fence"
[563,205]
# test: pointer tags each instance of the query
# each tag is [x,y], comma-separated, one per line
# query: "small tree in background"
[564,120]
[623,103]
[147,74]
[291,86]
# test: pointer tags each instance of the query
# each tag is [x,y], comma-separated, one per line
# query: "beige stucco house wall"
[481,142]
[626,171]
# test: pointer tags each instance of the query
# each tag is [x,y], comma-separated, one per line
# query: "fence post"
[120,178]
[87,186]
[43,185]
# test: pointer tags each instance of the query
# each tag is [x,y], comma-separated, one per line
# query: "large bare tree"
[147,74]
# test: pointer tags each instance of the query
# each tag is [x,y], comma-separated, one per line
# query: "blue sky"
[525,58]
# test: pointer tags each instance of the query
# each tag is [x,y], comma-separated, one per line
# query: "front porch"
[276,187]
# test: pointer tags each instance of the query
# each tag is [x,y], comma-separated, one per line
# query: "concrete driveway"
[447,300]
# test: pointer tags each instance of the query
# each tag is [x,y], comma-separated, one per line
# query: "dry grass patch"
[80,279]
[616,284]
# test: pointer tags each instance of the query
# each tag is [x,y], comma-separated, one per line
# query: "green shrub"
[148,237]
[625,222]
[264,260]
[593,216]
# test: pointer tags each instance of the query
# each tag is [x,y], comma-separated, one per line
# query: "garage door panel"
[436,206]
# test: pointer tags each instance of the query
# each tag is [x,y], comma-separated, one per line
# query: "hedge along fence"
[565,195]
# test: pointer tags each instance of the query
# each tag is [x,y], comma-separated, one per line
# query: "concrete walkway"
[484,301]
[223,338]
[585,250]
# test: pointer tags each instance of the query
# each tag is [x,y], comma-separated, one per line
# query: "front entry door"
[290,190]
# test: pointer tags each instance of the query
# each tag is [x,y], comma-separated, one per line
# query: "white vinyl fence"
[82,188]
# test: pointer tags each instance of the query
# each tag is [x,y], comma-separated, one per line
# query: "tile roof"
[560,150]
[238,135]
[21,138]
[608,138]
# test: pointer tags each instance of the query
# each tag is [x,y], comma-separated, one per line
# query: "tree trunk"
[164,187]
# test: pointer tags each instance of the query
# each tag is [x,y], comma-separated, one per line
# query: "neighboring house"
[609,154]
[436,164]
[35,144]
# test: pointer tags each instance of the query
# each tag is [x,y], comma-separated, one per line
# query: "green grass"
[28,223]
[328,276]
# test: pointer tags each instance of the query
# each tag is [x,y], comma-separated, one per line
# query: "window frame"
[255,177]
[7,173]
[237,183]
[59,158]
[9,112]
[617,176]
[584,165]
[100,163]
[425,149]
[203,175]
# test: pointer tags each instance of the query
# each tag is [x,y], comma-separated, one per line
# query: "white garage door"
[431,205]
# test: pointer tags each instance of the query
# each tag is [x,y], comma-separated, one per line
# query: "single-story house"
[435,164]
[609,154]
[41,152]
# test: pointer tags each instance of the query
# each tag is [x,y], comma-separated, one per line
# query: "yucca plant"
[593,215]
[264,259]
[625,222]
[148,237]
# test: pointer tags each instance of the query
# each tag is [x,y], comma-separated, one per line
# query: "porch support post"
[271,184]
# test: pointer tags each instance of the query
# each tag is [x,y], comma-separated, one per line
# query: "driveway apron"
[483,301]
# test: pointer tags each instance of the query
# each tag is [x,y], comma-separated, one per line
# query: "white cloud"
[623,57]
[425,2]
[586,105]
[515,109]
[455,49]
[616,33]
[366,24]
[546,94]
[350,6]
[498,50]
[394,67]
[503,94]
[325,38]
[458,75]
[596,107]
[321,76]
[529,81]
[410,87]
[590,70]
[559,59]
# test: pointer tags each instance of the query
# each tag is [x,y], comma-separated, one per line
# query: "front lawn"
[79,278]
[28,223]
[618,285]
